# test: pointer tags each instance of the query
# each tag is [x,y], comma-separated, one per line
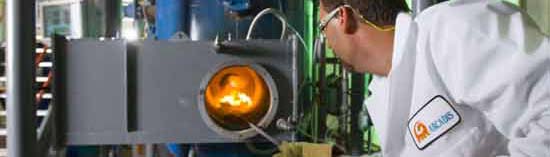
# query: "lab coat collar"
[381,108]
[402,29]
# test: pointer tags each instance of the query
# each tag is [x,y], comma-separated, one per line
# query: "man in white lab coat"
[460,79]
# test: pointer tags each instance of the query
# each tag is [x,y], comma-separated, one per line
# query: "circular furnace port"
[236,94]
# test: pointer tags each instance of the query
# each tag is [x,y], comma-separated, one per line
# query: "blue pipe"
[171,17]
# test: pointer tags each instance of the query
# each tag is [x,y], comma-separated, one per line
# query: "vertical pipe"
[356,104]
[171,17]
[320,107]
[93,18]
[343,100]
[295,84]
[207,20]
[309,29]
[113,18]
[21,115]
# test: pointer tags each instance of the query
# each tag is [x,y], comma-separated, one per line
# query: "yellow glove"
[303,149]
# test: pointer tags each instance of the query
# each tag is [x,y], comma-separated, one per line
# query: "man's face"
[337,39]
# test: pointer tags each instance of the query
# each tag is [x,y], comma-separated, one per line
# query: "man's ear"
[347,20]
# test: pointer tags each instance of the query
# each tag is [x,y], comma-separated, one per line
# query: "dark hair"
[380,12]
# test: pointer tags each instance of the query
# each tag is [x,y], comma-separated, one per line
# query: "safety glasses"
[324,22]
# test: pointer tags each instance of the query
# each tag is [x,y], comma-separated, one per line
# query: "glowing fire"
[236,99]
[236,91]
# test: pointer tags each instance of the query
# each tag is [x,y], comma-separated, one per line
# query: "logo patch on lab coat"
[432,121]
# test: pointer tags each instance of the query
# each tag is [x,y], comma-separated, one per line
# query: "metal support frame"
[21,117]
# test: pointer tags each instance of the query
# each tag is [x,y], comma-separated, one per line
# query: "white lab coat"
[493,65]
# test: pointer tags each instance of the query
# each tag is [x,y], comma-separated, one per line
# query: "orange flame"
[236,99]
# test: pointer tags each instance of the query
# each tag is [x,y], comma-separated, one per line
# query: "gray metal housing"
[118,92]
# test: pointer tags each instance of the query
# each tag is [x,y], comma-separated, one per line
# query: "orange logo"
[420,131]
